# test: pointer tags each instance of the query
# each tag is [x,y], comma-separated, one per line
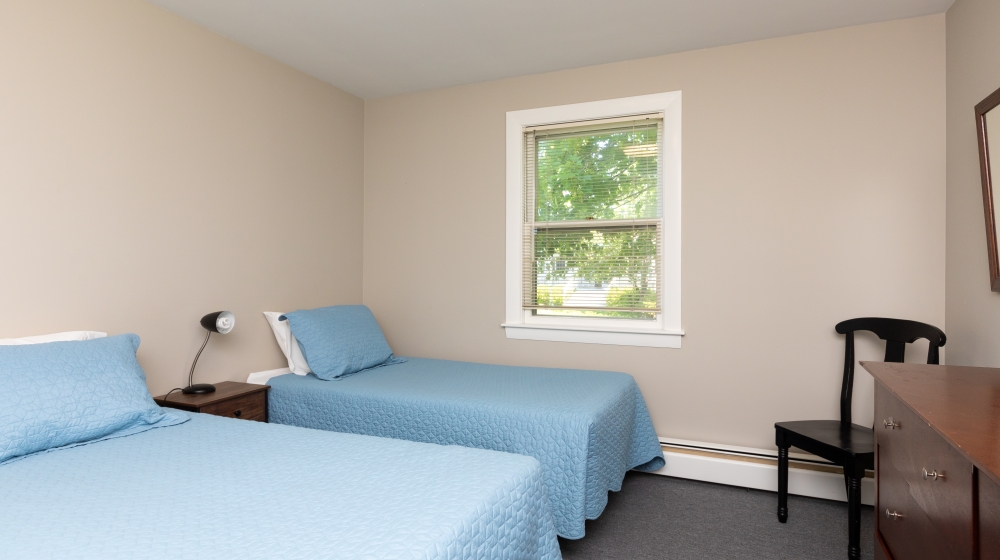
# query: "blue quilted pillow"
[63,393]
[340,340]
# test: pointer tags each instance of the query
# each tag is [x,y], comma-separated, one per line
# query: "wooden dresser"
[937,461]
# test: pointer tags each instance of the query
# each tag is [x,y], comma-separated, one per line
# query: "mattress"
[586,428]
[216,488]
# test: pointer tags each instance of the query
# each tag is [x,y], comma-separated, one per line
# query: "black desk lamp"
[221,322]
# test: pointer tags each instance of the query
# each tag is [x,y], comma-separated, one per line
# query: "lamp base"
[198,389]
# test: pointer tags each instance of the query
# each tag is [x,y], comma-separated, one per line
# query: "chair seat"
[826,439]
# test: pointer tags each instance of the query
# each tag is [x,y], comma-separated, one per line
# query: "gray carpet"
[658,517]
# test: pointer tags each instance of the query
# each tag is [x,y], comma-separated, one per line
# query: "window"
[593,224]
[591,218]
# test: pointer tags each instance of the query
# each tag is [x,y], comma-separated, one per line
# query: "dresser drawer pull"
[932,475]
[890,424]
[893,515]
[239,413]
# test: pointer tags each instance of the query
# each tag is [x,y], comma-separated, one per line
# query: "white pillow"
[286,341]
[57,337]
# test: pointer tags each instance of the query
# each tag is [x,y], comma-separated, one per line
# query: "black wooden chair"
[846,444]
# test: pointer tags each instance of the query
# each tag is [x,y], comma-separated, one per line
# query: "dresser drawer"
[907,530]
[247,407]
[923,478]
[881,553]
[989,517]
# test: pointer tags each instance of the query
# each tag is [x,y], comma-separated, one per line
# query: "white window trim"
[667,332]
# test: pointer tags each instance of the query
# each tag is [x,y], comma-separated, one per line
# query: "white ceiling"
[377,48]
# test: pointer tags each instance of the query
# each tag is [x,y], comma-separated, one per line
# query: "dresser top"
[960,403]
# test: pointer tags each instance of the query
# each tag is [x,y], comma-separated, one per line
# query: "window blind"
[592,218]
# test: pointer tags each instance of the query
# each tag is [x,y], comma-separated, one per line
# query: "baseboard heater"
[808,475]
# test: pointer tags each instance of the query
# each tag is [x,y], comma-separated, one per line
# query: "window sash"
[632,273]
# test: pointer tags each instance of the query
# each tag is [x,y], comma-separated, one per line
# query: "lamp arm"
[198,355]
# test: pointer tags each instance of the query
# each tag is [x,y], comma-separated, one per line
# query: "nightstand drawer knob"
[238,413]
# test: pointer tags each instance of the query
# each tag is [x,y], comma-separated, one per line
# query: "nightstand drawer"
[249,407]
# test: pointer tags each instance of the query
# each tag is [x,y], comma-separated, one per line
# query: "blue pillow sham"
[63,393]
[340,340]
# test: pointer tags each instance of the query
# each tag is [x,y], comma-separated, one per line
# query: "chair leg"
[854,518]
[783,484]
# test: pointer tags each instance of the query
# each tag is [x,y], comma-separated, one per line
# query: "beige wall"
[152,171]
[973,73]
[813,191]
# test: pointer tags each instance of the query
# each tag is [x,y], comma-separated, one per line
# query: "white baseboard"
[755,469]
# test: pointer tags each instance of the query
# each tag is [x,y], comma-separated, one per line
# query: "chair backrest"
[896,333]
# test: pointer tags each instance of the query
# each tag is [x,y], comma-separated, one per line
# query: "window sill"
[594,335]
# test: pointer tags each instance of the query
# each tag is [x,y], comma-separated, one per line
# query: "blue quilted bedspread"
[217,488]
[587,428]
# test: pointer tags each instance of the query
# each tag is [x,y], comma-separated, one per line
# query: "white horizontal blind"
[592,226]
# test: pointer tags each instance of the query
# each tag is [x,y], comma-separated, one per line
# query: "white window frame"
[665,331]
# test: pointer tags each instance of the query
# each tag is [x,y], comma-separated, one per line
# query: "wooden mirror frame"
[985,106]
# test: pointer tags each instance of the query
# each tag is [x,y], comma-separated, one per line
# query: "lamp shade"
[221,322]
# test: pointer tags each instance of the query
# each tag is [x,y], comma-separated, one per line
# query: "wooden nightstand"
[231,399]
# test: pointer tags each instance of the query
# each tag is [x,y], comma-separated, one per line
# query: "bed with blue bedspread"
[586,428]
[221,488]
